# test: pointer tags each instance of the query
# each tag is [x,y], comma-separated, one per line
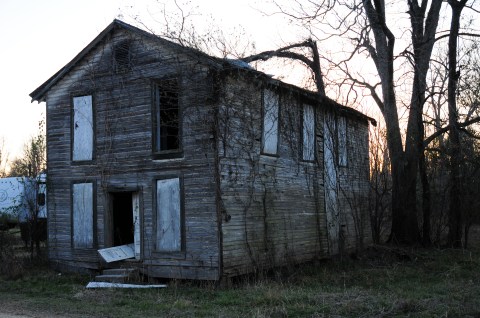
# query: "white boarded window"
[342,141]
[270,122]
[308,132]
[82,128]
[169,236]
[83,215]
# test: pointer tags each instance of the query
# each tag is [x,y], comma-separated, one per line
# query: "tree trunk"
[404,162]
[426,199]
[404,217]
[455,216]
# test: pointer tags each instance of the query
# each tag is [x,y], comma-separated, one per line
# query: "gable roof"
[39,93]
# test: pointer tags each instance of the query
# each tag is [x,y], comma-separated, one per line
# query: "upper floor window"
[122,56]
[270,123]
[82,149]
[308,132]
[166,118]
[342,141]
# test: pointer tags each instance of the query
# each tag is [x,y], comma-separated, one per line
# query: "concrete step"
[119,275]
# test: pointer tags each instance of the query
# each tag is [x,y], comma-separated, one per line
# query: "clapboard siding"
[122,106]
[241,210]
[275,207]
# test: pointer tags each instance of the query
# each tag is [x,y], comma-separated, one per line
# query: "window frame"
[342,141]
[73,123]
[313,140]
[93,244]
[156,129]
[266,136]
[178,253]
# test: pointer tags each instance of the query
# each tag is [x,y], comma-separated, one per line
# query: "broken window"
[166,132]
[82,215]
[169,229]
[82,128]
[342,141]
[308,133]
[270,123]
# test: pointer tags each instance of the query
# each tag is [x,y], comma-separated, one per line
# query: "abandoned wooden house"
[210,168]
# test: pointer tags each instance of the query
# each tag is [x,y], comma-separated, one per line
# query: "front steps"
[119,275]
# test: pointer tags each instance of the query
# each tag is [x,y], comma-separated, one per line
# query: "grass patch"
[427,283]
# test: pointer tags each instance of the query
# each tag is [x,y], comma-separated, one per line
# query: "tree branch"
[285,52]
[447,128]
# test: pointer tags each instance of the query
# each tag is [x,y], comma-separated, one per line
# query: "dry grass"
[382,282]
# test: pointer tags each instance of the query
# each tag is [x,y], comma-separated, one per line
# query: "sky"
[39,37]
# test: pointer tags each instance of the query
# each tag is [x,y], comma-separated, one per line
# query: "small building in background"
[23,203]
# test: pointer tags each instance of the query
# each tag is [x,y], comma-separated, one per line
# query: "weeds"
[426,283]
[11,266]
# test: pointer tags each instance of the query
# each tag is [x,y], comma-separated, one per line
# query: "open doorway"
[122,215]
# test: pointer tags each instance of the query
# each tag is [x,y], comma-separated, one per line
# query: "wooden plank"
[117,253]
[136,224]
[83,215]
[82,128]
[270,122]
[169,236]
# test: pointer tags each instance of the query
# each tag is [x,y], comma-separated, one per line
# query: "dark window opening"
[166,121]
[122,211]
[41,199]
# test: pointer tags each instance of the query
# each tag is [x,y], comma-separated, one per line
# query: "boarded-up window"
[270,122]
[166,117]
[342,141]
[82,128]
[308,132]
[83,215]
[169,236]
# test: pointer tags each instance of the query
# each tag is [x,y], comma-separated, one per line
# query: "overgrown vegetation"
[11,264]
[381,282]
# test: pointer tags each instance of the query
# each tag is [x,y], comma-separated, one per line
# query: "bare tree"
[178,21]
[31,165]
[380,185]
[3,159]
[33,159]
[455,212]
[312,63]
[367,25]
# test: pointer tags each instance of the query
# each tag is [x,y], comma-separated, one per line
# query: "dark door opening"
[122,212]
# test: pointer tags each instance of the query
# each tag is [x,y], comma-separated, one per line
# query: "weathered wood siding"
[274,203]
[247,191]
[123,160]
[353,186]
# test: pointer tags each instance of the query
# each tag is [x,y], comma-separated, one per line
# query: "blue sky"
[40,37]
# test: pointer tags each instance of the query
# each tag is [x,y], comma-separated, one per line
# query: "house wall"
[241,210]
[123,161]
[274,204]
[353,188]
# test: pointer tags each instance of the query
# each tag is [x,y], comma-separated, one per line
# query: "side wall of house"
[123,160]
[273,204]
[353,187]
